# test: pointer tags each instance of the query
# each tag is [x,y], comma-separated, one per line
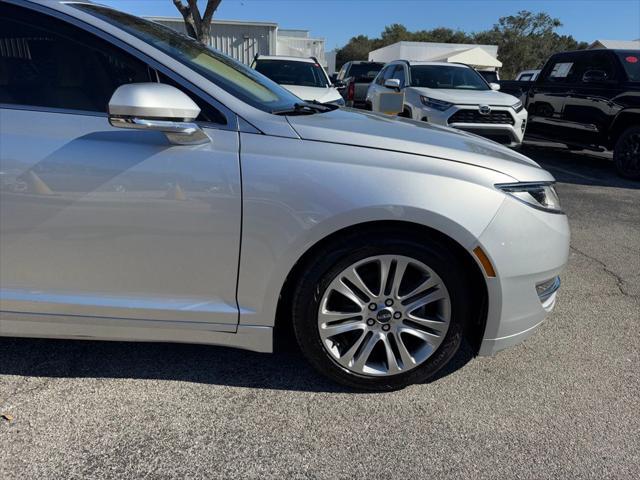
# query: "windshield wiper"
[307,108]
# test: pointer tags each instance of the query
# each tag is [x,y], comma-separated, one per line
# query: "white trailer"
[482,57]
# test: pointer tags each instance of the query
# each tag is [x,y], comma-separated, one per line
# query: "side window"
[389,73]
[399,74]
[343,71]
[380,77]
[208,113]
[596,66]
[51,64]
[562,70]
[45,62]
[386,74]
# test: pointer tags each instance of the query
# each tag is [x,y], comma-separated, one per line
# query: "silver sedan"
[153,189]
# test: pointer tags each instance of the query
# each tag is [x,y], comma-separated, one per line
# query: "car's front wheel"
[381,313]
[626,153]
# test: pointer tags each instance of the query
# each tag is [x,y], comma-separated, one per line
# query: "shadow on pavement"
[581,168]
[285,370]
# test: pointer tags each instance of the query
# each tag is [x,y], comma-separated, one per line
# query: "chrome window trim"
[230,116]
[37,108]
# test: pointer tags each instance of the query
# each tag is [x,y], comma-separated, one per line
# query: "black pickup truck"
[588,99]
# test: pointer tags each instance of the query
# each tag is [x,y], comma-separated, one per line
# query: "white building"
[298,43]
[243,40]
[482,57]
[331,58]
[616,44]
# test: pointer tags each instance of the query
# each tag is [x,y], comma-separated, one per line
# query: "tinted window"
[399,74]
[489,76]
[47,63]
[239,80]
[631,63]
[526,77]
[342,72]
[289,72]
[386,74]
[444,76]
[365,71]
[383,72]
[596,65]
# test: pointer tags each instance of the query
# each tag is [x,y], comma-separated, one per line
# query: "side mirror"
[340,85]
[494,86]
[594,76]
[158,107]
[393,83]
[333,77]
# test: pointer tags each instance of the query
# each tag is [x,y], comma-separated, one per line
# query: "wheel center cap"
[384,316]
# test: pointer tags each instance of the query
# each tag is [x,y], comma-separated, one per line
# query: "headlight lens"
[517,106]
[540,195]
[340,102]
[433,103]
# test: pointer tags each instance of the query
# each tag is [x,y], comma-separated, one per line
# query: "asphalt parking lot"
[565,404]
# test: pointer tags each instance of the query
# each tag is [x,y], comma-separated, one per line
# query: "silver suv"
[156,190]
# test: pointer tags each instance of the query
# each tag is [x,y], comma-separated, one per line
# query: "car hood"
[468,97]
[385,132]
[322,95]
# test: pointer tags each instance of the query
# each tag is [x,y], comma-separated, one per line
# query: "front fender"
[297,193]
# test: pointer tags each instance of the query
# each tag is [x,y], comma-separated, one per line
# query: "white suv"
[304,77]
[454,95]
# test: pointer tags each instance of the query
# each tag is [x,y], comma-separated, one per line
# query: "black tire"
[352,248]
[626,154]
[406,113]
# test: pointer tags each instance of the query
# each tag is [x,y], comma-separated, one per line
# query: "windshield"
[365,71]
[239,80]
[443,76]
[631,62]
[290,72]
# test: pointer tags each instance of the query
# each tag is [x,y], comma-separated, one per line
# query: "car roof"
[591,50]
[286,58]
[442,64]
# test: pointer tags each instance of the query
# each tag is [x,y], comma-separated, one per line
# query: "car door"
[546,98]
[101,222]
[590,107]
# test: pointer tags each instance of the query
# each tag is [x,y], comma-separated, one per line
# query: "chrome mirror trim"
[178,133]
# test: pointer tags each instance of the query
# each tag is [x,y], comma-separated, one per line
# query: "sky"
[338,20]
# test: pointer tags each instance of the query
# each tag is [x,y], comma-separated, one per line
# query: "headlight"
[517,106]
[540,195]
[433,103]
[339,102]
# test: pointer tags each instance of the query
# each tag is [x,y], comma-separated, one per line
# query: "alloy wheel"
[384,315]
[629,155]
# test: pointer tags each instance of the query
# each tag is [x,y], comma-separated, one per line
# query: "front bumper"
[529,249]
[505,133]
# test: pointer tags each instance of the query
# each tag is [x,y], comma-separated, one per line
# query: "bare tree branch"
[182,8]
[195,11]
[212,6]
[197,26]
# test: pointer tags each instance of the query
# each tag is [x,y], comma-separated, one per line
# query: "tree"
[198,26]
[357,48]
[525,40]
